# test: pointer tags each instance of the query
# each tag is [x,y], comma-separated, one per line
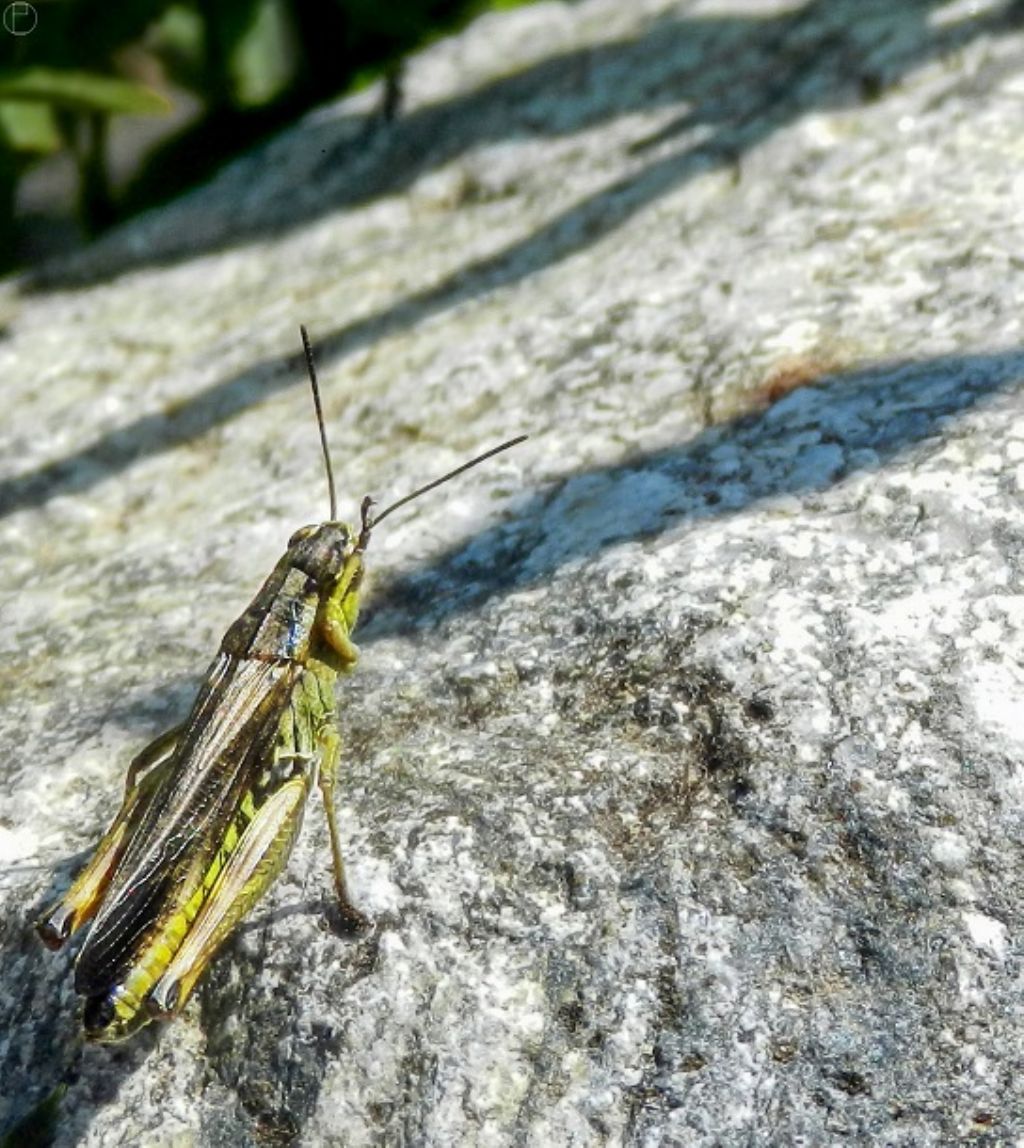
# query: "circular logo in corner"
[20,18]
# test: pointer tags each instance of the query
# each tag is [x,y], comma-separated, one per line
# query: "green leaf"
[29,128]
[81,91]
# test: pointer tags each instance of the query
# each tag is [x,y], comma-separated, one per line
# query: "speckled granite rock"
[683,767]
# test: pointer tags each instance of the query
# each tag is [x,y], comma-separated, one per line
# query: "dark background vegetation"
[109,108]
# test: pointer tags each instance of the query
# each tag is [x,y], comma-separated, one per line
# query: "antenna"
[311,367]
[369,523]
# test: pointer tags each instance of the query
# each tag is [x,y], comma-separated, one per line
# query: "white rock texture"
[683,771]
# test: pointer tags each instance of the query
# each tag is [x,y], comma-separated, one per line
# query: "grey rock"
[682,772]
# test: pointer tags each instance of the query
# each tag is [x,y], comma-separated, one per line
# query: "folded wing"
[225,746]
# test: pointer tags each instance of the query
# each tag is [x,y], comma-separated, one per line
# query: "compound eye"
[300,534]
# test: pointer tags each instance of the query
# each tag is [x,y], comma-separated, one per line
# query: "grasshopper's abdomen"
[117,1012]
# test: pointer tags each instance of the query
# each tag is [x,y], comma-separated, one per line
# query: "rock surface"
[683,766]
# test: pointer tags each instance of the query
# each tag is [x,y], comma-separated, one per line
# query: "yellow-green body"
[212,809]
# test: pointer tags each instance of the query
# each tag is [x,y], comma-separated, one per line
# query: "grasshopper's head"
[332,554]
[328,552]
[321,550]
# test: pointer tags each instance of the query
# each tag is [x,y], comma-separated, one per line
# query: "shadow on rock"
[807,441]
[741,78]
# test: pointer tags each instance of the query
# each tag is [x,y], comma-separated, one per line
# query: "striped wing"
[224,747]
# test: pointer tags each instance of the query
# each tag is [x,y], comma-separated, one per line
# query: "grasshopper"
[212,808]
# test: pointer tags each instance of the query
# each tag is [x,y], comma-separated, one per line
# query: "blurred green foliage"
[251,65]
[38,1128]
